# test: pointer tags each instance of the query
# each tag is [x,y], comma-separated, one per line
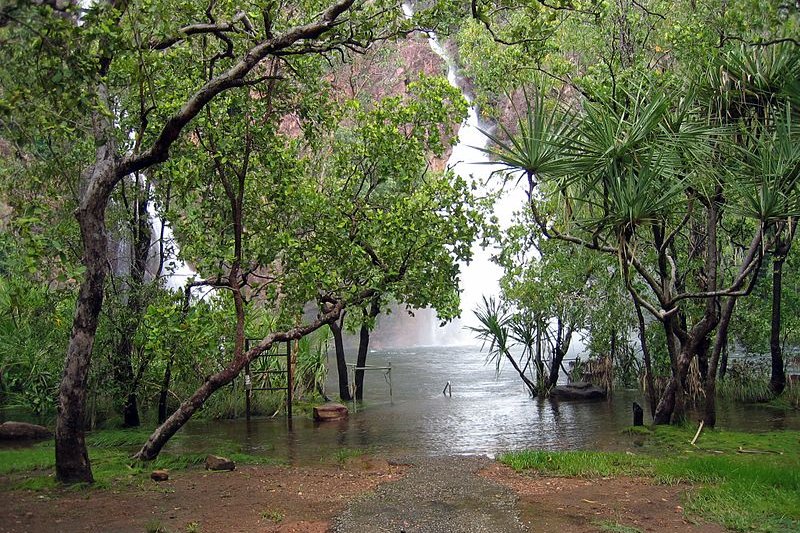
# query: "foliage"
[32,338]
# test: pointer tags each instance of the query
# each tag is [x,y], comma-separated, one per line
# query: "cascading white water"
[177,270]
[481,276]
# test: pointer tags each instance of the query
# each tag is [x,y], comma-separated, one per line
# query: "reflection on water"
[487,414]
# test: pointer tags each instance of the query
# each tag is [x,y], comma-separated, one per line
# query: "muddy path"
[362,495]
[477,495]
[436,495]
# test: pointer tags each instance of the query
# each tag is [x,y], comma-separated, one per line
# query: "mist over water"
[481,276]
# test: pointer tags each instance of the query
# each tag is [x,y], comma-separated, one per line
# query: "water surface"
[486,414]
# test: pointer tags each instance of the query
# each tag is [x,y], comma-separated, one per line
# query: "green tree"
[92,61]
[640,179]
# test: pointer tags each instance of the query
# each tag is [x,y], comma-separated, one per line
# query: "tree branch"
[203,28]
[233,77]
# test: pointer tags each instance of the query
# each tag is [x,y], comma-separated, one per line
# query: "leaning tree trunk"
[710,386]
[165,431]
[721,342]
[72,458]
[341,362]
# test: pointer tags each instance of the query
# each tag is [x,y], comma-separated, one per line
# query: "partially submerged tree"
[648,179]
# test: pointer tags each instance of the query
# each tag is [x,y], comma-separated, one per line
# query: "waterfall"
[177,271]
[481,277]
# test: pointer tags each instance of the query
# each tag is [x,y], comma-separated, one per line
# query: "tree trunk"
[72,458]
[667,402]
[363,345]
[528,383]
[538,360]
[361,360]
[563,338]
[777,380]
[141,235]
[123,375]
[341,362]
[648,365]
[721,342]
[710,411]
[163,395]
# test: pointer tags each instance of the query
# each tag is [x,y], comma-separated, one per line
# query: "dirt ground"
[249,499]
[548,504]
[308,499]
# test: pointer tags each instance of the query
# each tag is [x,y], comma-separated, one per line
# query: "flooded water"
[486,414]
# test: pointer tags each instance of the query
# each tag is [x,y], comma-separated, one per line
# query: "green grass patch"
[272,515]
[744,481]
[342,455]
[579,463]
[614,527]
[110,451]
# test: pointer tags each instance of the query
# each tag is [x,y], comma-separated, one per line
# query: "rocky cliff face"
[387,69]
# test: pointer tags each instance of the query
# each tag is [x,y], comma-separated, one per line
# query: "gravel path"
[437,495]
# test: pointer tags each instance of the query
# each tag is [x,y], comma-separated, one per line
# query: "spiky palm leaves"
[506,332]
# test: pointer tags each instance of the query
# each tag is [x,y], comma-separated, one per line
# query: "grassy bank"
[110,454]
[744,481]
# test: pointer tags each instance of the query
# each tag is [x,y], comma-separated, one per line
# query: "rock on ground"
[330,411]
[159,475]
[23,431]
[577,391]
[215,462]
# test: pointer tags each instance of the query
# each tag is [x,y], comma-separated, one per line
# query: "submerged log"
[577,391]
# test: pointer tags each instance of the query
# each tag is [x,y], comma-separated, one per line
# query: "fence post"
[289,378]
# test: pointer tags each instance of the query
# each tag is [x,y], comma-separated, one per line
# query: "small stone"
[159,475]
[215,462]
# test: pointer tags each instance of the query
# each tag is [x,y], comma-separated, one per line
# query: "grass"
[754,491]
[343,454]
[32,468]
[272,515]
[614,527]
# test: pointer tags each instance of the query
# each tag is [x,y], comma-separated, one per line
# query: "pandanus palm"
[649,179]
[504,332]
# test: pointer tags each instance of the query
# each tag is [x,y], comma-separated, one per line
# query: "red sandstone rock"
[159,475]
[214,462]
[330,411]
